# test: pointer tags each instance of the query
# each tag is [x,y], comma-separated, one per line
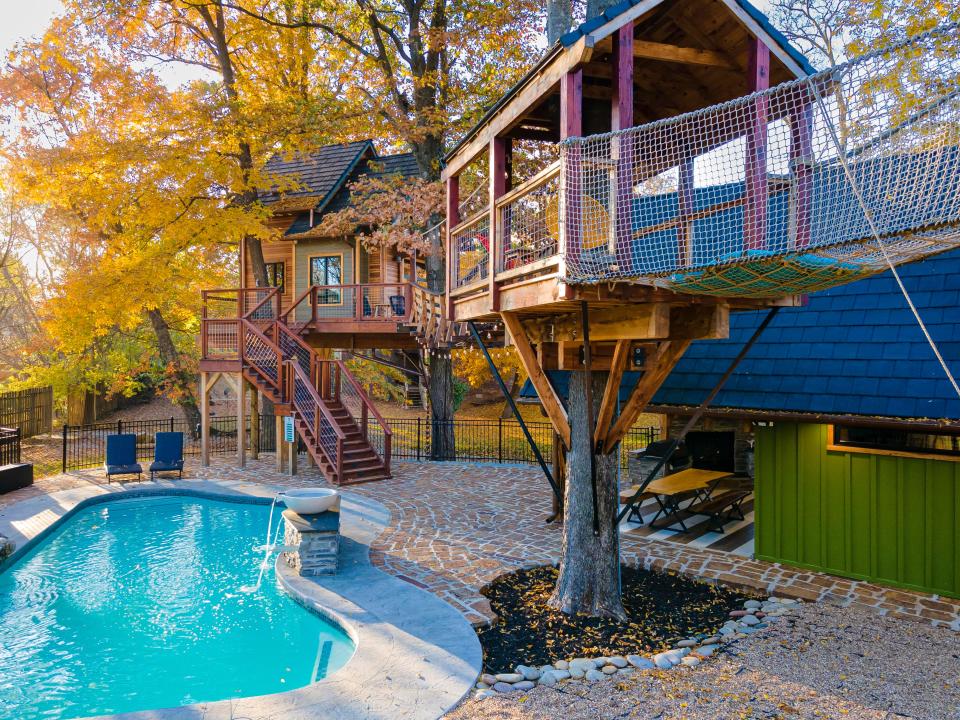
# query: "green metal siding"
[893,520]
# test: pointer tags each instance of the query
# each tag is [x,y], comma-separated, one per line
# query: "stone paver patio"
[455,527]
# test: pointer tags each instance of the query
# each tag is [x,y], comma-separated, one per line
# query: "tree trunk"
[179,380]
[442,443]
[595,7]
[589,580]
[559,19]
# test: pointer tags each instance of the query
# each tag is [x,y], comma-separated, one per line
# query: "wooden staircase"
[337,421]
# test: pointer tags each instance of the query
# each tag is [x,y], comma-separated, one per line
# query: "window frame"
[339,293]
[836,445]
[282,265]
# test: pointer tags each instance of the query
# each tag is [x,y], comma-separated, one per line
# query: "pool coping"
[416,656]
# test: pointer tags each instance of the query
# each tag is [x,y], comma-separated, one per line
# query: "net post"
[499,149]
[755,208]
[453,219]
[622,150]
[571,125]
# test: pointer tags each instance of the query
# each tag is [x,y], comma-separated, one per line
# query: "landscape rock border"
[692,651]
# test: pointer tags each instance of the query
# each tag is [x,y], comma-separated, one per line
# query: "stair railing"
[259,352]
[320,426]
[351,395]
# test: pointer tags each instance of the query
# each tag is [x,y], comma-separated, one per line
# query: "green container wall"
[891,520]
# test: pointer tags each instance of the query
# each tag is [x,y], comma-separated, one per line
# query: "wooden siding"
[883,518]
[276,251]
[307,249]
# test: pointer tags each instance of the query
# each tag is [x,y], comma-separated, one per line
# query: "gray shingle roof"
[319,174]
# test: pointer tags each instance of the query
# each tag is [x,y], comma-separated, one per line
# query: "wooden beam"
[622,152]
[453,219]
[548,396]
[241,389]
[205,386]
[646,321]
[699,322]
[548,355]
[611,394]
[498,186]
[656,370]
[755,187]
[683,55]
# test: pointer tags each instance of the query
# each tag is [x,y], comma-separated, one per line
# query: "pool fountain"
[311,536]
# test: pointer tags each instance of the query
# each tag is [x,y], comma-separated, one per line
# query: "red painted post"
[755,207]
[685,197]
[498,186]
[453,219]
[622,150]
[571,125]
[801,167]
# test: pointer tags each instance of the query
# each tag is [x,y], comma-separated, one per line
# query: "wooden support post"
[293,457]
[278,443]
[205,419]
[622,150]
[571,125]
[755,208]
[498,186]
[686,208]
[656,370]
[608,406]
[801,168]
[453,219]
[241,390]
[254,422]
[548,396]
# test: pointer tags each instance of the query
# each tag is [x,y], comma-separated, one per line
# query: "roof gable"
[319,174]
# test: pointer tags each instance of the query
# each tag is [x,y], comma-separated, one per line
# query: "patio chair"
[122,456]
[167,453]
[398,304]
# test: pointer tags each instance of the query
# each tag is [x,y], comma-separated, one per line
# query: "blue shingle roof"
[854,349]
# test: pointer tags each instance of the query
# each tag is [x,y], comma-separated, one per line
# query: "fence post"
[418,438]
[65,426]
[119,427]
[171,423]
[500,440]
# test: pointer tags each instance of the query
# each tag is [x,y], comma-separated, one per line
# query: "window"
[327,270]
[275,275]
[894,441]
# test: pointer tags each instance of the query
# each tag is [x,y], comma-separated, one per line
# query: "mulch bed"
[662,608]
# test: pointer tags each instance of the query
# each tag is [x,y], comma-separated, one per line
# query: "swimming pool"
[135,604]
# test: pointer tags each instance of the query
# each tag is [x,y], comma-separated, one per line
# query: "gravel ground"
[823,662]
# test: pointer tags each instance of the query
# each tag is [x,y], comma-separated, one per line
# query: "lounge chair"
[122,456]
[167,453]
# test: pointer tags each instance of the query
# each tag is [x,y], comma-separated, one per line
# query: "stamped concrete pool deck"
[416,656]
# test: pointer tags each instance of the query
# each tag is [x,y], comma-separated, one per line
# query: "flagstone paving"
[455,527]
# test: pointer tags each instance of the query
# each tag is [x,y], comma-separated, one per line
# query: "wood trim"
[754,27]
[470,221]
[611,393]
[548,396]
[637,11]
[544,176]
[684,55]
[522,270]
[832,447]
[472,287]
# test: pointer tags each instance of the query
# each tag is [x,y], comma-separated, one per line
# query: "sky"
[23,19]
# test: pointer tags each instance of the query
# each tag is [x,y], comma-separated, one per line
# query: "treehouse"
[701,167]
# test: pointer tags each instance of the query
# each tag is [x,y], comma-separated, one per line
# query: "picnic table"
[670,490]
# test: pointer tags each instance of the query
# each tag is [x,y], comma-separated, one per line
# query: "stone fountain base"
[317,538]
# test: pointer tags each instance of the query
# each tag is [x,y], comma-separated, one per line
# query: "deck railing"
[365,302]
[338,385]
[471,247]
[318,423]
[528,222]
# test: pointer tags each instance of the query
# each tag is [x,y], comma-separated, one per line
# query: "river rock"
[529,673]
[752,604]
[662,661]
[502,687]
[690,661]
[509,677]
[524,685]
[593,675]
[488,679]
[749,620]
[484,694]
[712,640]
[690,642]
[705,650]
[482,686]
[609,669]
[641,663]
[617,661]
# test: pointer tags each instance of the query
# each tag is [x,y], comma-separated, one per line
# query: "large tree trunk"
[440,387]
[589,579]
[179,380]
[559,19]
[442,442]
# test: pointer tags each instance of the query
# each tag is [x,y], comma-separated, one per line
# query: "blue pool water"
[136,605]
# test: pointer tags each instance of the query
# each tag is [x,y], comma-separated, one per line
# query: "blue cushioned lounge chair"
[122,456]
[167,453]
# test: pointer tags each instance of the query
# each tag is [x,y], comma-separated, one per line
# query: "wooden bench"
[721,508]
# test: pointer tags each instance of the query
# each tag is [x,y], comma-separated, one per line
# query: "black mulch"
[662,608]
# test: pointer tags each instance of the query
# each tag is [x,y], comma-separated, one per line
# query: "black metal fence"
[31,411]
[9,446]
[498,441]
[84,446]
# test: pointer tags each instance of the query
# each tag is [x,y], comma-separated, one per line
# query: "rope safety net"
[786,191]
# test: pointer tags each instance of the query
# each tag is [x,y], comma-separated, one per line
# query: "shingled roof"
[318,174]
[852,350]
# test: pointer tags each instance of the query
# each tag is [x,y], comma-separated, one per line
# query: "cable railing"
[263,356]
[363,302]
[317,422]
[528,222]
[348,393]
